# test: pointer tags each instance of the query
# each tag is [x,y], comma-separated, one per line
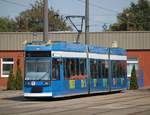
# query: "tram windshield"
[37,70]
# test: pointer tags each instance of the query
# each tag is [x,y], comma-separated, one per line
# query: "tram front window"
[37,70]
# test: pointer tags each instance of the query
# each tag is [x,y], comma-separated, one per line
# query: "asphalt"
[127,102]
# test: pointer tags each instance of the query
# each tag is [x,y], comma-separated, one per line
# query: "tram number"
[71,84]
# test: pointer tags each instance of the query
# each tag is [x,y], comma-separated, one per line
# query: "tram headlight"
[27,83]
[47,83]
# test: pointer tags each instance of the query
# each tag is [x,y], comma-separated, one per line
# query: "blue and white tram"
[59,69]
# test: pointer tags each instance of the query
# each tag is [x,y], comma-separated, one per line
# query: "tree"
[133,80]
[32,19]
[18,79]
[134,18]
[11,84]
[7,25]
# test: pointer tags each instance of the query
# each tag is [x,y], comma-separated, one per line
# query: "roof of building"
[140,40]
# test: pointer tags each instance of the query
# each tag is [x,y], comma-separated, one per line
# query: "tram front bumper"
[38,94]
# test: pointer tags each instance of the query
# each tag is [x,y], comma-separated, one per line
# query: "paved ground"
[124,103]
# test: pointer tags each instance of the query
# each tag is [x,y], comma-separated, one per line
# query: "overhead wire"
[100,7]
[94,5]
[15,3]
[100,23]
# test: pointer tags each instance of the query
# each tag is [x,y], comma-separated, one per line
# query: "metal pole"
[45,33]
[87,22]
[109,71]
[87,41]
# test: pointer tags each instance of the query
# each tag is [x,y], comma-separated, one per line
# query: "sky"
[102,12]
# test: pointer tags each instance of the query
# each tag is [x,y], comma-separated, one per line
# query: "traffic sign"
[104,27]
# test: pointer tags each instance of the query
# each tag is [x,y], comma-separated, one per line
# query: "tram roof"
[118,51]
[71,47]
[74,47]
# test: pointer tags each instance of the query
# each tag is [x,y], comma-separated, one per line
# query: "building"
[136,43]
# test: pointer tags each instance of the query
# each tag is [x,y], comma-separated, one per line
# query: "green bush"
[11,81]
[133,80]
[18,79]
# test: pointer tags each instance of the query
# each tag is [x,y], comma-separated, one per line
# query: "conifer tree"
[133,80]
[18,79]
[11,80]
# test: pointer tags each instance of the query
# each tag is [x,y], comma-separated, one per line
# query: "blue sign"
[104,27]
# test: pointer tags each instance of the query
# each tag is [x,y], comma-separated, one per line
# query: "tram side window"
[67,68]
[74,68]
[114,69]
[55,70]
[94,68]
[118,69]
[99,69]
[123,70]
[82,67]
[105,69]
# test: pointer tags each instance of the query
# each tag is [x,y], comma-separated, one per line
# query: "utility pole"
[45,12]
[87,42]
[87,22]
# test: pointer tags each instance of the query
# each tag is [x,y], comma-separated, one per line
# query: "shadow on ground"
[21,98]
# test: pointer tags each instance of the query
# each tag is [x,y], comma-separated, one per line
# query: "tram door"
[105,75]
[94,79]
[56,75]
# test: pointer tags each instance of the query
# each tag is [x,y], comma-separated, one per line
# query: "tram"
[59,69]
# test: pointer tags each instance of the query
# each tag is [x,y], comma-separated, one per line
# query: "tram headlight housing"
[27,83]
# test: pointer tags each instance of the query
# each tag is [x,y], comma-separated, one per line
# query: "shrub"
[133,80]
[11,81]
[18,79]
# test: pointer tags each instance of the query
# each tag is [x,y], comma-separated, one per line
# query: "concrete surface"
[127,102]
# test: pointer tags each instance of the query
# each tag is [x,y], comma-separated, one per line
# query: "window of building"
[130,63]
[6,65]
